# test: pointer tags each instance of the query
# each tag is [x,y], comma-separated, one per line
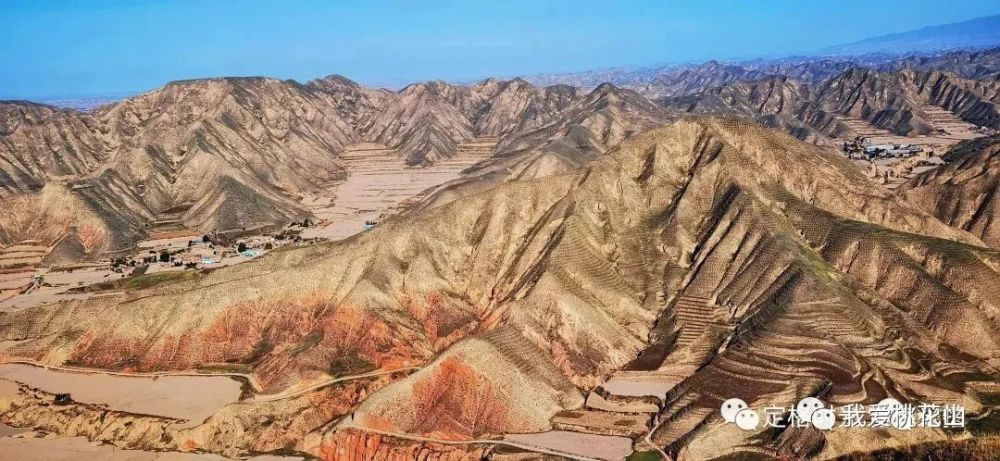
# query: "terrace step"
[601,400]
[693,315]
[602,422]
[682,424]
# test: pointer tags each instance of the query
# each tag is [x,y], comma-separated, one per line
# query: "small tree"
[241,247]
[164,257]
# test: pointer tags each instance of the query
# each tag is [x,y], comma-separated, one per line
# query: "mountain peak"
[338,80]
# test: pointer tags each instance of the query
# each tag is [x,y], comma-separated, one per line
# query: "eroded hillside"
[733,260]
[963,193]
[903,102]
[239,154]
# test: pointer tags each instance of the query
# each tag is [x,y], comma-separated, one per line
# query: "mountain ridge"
[536,292]
[269,138]
[977,33]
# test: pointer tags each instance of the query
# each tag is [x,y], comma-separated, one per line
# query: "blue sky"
[53,48]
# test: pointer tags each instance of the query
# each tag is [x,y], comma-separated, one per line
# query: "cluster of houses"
[195,252]
[862,148]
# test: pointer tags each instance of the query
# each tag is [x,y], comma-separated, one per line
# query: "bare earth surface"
[378,181]
[588,445]
[78,448]
[192,398]
[57,283]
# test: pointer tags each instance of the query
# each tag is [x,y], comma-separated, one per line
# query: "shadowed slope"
[38,142]
[902,101]
[963,192]
[174,150]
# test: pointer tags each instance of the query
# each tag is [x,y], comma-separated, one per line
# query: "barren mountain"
[880,98]
[964,192]
[233,154]
[236,154]
[218,154]
[39,142]
[516,106]
[226,153]
[733,260]
[777,102]
[696,79]
[894,101]
[974,101]
[591,125]
[810,70]
[686,79]
[968,64]
[425,120]
[428,120]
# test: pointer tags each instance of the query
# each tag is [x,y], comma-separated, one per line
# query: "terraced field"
[23,256]
[892,172]
[182,398]
[950,124]
[380,182]
[863,127]
[734,261]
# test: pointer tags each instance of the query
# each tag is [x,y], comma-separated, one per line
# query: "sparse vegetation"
[313,338]
[350,363]
[648,455]
[144,281]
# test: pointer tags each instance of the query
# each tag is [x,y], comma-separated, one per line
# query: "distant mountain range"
[967,35]
[204,148]
[921,47]
[85,102]
[977,34]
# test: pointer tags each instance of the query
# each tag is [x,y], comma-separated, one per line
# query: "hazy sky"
[52,48]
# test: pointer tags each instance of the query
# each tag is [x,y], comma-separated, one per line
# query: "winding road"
[134,374]
[287,394]
[521,446]
[257,398]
